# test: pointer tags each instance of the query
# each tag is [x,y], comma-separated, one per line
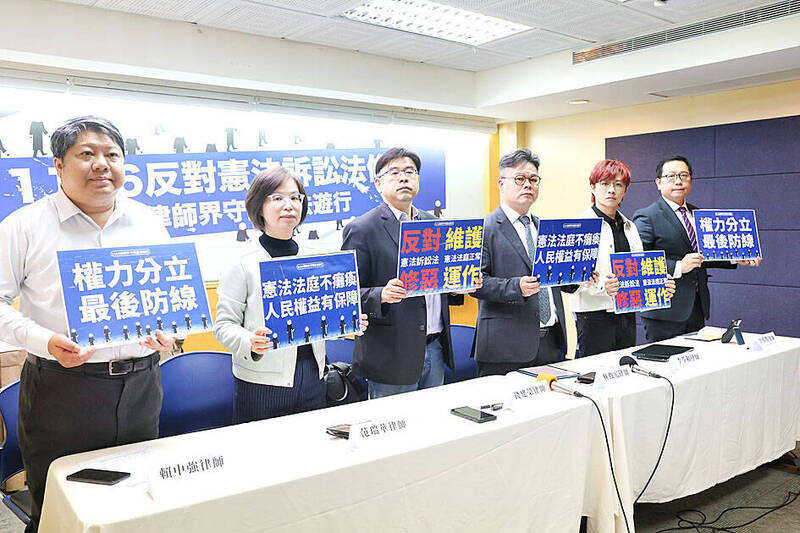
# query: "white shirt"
[513,216]
[29,240]
[433,302]
[690,215]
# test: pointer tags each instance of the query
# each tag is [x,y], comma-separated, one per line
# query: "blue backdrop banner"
[642,279]
[729,234]
[310,298]
[197,193]
[566,250]
[118,295]
[438,256]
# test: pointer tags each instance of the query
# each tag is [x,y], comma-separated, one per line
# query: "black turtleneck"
[283,248]
[278,247]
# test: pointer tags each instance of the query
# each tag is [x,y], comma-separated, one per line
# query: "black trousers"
[601,331]
[549,352]
[658,330]
[64,411]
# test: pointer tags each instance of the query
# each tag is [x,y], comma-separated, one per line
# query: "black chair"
[198,393]
[19,502]
[465,366]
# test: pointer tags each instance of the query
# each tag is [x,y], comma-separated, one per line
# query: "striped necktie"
[689,228]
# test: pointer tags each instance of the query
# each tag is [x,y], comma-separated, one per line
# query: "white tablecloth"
[536,468]
[735,409]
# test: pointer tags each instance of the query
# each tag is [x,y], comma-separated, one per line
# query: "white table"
[536,468]
[735,409]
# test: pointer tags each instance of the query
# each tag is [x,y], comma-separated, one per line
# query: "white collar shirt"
[29,240]
[513,217]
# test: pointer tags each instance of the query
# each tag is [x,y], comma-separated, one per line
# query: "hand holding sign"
[66,352]
[158,342]
[363,325]
[611,284]
[393,292]
[261,340]
[529,285]
[690,262]
[749,262]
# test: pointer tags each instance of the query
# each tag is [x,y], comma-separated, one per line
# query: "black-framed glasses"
[410,172]
[675,176]
[520,179]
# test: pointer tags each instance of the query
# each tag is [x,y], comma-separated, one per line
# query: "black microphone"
[635,368]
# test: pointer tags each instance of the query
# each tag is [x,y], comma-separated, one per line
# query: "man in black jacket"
[408,341]
[668,224]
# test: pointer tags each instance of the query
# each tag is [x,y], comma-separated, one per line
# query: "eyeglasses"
[673,177]
[617,185]
[520,179]
[410,172]
[295,199]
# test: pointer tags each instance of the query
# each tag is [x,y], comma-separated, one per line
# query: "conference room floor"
[763,487]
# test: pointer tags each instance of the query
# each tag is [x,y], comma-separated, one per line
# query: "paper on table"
[708,333]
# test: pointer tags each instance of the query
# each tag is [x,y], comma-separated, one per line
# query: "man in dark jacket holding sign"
[408,342]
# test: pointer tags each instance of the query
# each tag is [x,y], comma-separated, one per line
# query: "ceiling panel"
[342,33]
[615,23]
[184,10]
[558,24]
[549,13]
[244,16]
[686,11]
[403,45]
[328,8]
[533,43]
[474,59]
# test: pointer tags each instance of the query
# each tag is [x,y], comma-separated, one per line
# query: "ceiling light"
[434,20]
[579,102]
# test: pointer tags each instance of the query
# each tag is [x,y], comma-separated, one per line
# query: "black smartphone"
[342,431]
[473,414]
[587,378]
[728,335]
[98,477]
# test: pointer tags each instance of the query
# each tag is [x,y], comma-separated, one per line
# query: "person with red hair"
[599,328]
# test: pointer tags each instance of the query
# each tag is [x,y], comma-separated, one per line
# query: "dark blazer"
[392,350]
[660,229]
[508,323]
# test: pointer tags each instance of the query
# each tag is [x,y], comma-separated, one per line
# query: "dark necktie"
[544,294]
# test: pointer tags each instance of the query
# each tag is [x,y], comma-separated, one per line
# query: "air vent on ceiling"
[734,20]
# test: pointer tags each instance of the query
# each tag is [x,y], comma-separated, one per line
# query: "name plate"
[372,432]
[520,397]
[608,378]
[170,472]
[689,358]
[763,342]
[684,361]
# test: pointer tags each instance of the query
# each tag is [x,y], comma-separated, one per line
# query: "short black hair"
[66,135]
[519,157]
[395,153]
[660,166]
[266,183]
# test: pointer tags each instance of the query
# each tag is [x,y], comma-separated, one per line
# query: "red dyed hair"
[608,170]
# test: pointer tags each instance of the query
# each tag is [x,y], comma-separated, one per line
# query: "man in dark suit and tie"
[520,324]
[408,341]
[668,224]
